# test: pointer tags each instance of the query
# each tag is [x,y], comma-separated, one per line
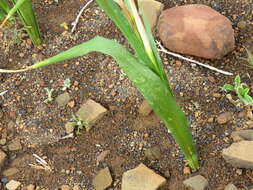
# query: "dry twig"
[162,49]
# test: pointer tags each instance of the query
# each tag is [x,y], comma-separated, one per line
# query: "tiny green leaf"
[247,99]
[228,87]
[237,81]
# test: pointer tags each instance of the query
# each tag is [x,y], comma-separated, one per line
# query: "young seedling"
[144,68]
[249,59]
[241,90]
[49,95]
[66,84]
[79,124]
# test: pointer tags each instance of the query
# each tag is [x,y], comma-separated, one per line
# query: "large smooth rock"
[197,182]
[196,30]
[242,135]
[141,178]
[239,154]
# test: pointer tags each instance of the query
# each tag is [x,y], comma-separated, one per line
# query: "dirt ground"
[123,131]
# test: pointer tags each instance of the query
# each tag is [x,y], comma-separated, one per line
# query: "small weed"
[49,95]
[66,84]
[249,59]
[79,123]
[241,90]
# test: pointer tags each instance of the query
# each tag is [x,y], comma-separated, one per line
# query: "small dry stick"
[74,24]
[162,49]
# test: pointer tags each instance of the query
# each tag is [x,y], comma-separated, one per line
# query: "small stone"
[242,25]
[102,156]
[187,170]
[224,118]
[141,178]
[153,153]
[71,104]
[196,29]
[30,187]
[178,63]
[238,171]
[10,172]
[69,127]
[230,187]
[2,158]
[15,145]
[210,120]
[2,141]
[63,99]
[197,182]
[4,180]
[167,174]
[152,10]
[13,185]
[239,154]
[145,109]
[216,95]
[246,135]
[90,112]
[65,187]
[103,179]
[76,187]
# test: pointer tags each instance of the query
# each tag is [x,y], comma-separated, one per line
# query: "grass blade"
[4,6]
[27,16]
[29,20]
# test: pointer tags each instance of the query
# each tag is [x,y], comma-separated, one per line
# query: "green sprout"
[249,59]
[241,90]
[79,123]
[49,95]
[27,16]
[144,68]
[66,84]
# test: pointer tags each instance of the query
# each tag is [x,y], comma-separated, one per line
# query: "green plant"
[4,5]
[27,16]
[241,90]
[249,59]
[66,84]
[79,124]
[49,95]
[144,69]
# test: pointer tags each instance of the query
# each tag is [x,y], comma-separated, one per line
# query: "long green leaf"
[149,84]
[4,6]
[29,20]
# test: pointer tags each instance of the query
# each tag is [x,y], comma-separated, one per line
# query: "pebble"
[103,179]
[153,153]
[145,109]
[242,135]
[242,25]
[187,170]
[197,182]
[69,127]
[141,178]
[13,185]
[4,180]
[30,187]
[239,154]
[91,112]
[2,158]
[230,187]
[63,99]
[224,117]
[10,172]
[3,141]
[15,145]
[76,187]
[65,187]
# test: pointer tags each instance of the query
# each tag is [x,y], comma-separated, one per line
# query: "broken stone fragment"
[90,112]
[239,154]
[141,178]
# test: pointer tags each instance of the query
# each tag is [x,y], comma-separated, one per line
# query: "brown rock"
[197,182]
[2,158]
[103,179]
[242,135]
[152,11]
[196,30]
[145,109]
[90,112]
[224,117]
[239,154]
[142,178]
[30,187]
[9,172]
[65,187]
